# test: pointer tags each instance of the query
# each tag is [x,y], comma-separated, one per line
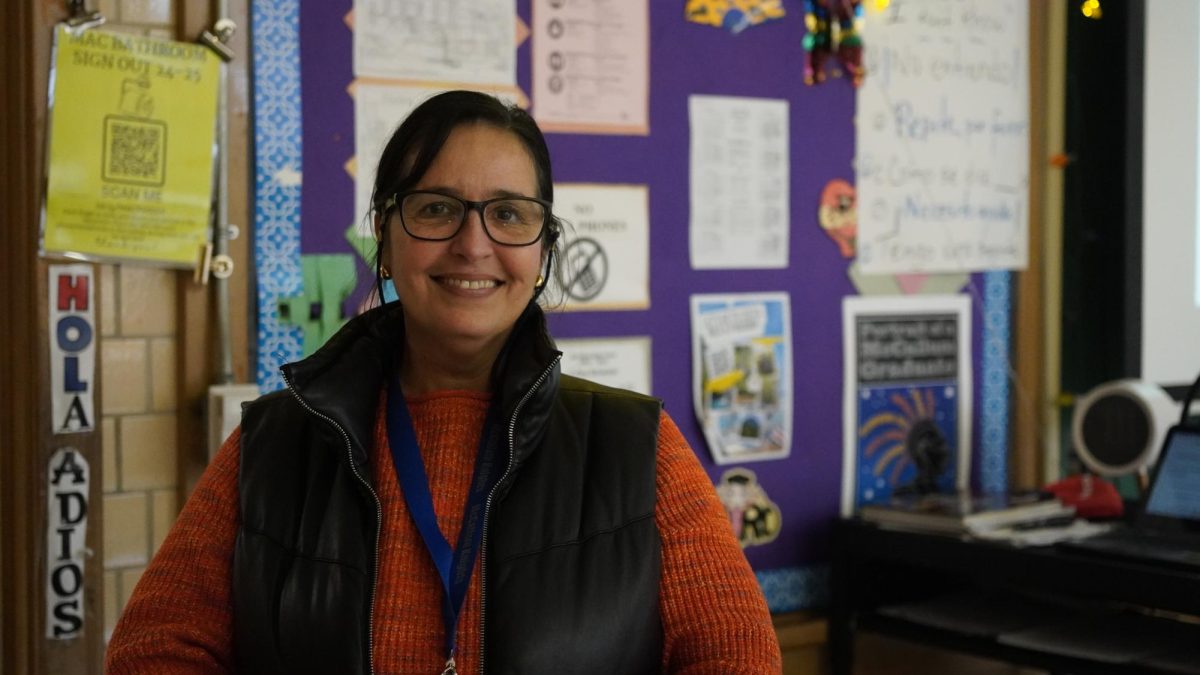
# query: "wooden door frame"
[18,347]
[1036,348]
[26,439]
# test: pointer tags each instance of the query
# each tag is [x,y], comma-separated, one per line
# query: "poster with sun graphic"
[742,374]
[907,413]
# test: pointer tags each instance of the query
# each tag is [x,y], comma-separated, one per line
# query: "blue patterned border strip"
[993,431]
[275,26]
[789,589]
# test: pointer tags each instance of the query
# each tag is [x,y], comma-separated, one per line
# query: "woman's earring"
[387,274]
[541,281]
[389,291]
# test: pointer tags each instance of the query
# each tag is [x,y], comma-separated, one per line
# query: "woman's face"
[467,289]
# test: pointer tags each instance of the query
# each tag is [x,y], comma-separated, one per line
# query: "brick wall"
[137,364]
[138,371]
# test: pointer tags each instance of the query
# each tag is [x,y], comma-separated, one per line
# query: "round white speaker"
[1119,426]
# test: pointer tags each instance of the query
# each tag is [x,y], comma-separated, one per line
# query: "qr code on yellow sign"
[135,151]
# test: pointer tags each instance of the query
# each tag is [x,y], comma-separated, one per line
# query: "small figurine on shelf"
[819,18]
[930,452]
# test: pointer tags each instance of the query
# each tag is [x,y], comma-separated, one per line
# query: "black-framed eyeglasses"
[508,221]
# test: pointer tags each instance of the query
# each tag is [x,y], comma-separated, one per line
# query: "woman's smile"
[464,284]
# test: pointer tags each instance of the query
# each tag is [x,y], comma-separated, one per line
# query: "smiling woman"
[461,289]
[431,494]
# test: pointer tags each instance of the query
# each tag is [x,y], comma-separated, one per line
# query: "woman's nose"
[472,239]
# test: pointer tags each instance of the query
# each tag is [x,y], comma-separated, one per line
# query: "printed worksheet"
[591,63]
[378,110]
[622,362]
[445,41]
[739,183]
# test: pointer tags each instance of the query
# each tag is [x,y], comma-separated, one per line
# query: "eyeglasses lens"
[509,220]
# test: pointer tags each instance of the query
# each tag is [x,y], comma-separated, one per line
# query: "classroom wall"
[307,46]
[805,485]
[139,339]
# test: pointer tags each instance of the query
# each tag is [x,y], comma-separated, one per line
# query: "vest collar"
[343,378]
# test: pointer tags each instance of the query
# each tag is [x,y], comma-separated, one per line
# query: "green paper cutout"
[328,281]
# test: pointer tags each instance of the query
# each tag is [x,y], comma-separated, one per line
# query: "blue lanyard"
[454,567]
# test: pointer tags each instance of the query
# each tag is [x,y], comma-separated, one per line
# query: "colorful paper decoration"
[755,519]
[733,15]
[820,17]
[328,281]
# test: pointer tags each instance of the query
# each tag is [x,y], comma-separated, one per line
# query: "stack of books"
[973,514]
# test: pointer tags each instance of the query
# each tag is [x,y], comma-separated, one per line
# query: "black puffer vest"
[571,554]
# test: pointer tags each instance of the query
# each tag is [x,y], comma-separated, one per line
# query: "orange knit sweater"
[180,615]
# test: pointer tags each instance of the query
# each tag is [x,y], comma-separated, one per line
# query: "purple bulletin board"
[304,123]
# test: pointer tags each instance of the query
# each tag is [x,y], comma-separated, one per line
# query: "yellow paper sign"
[131,148]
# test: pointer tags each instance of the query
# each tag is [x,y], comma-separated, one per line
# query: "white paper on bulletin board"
[739,206]
[465,41]
[622,362]
[378,110]
[605,245]
[942,137]
[591,66]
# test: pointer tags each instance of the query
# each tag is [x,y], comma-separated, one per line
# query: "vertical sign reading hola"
[131,148]
[72,348]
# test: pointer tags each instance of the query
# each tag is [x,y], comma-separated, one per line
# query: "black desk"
[876,570]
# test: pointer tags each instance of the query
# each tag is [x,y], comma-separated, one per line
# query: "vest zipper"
[378,516]
[487,508]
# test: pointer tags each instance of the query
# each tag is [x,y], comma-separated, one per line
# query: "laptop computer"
[1166,526]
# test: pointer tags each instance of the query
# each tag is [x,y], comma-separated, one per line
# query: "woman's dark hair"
[418,140]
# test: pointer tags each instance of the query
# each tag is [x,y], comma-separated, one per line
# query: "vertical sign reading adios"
[66,525]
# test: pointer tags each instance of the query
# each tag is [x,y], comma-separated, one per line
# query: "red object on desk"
[1092,496]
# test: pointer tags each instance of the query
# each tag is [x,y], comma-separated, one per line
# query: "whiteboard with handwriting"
[942,137]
